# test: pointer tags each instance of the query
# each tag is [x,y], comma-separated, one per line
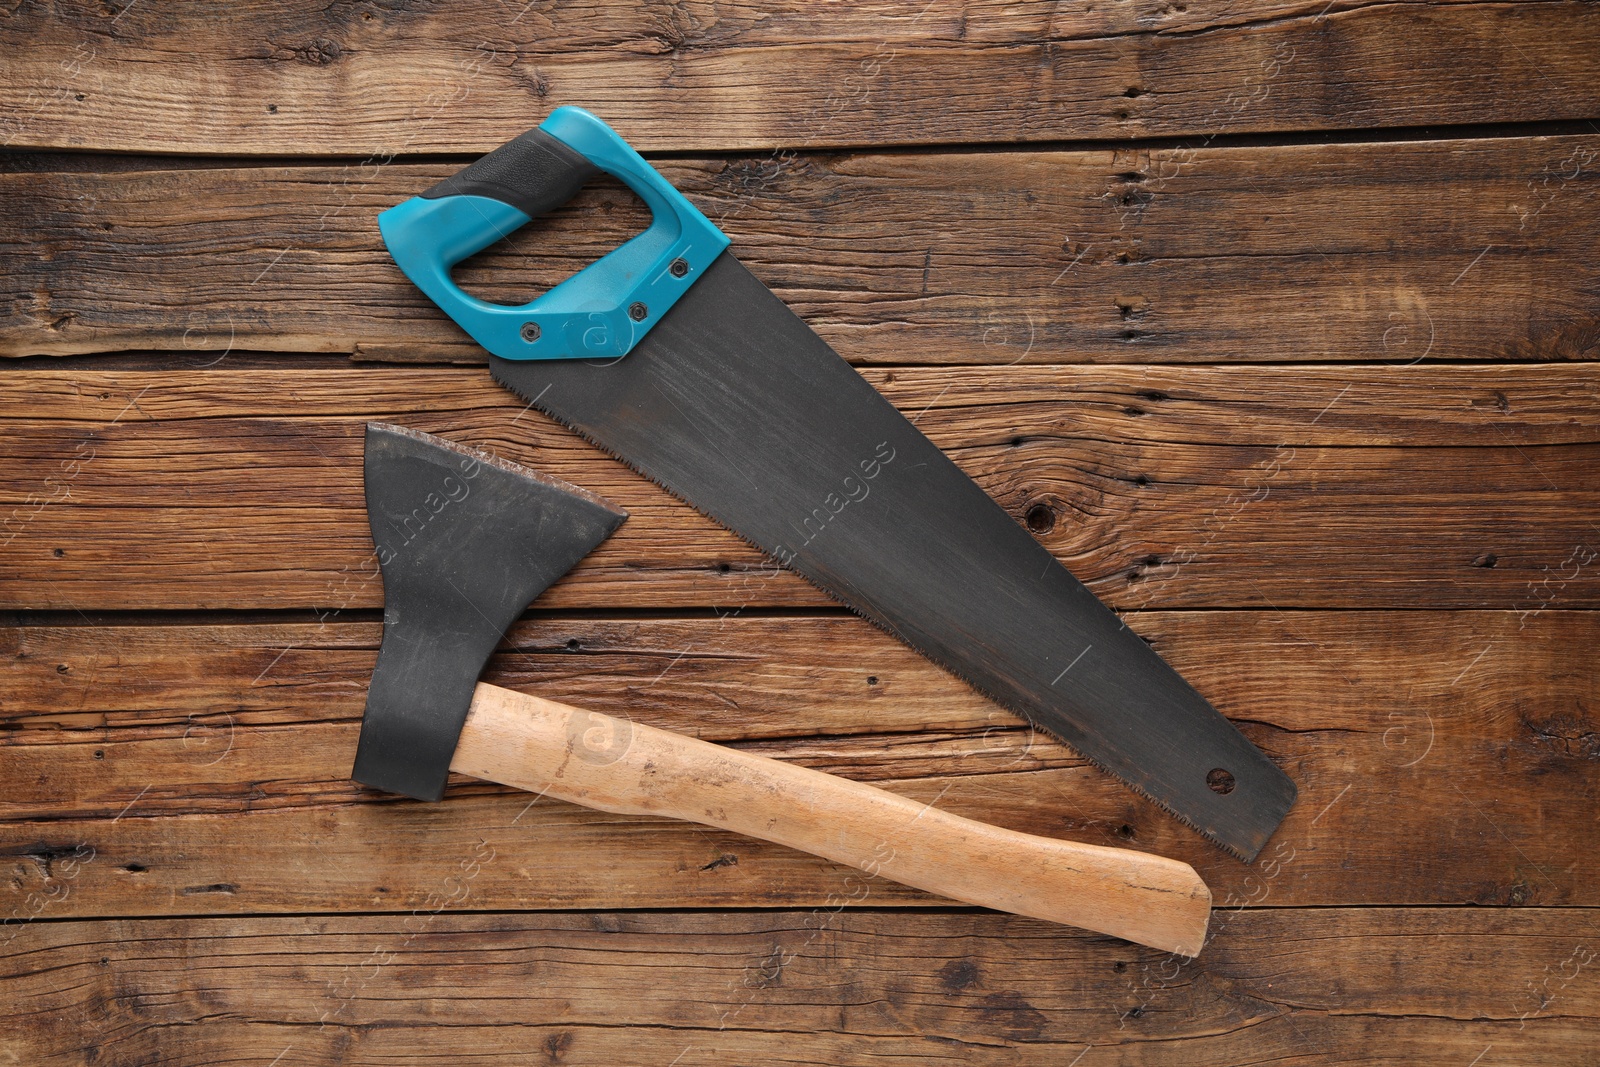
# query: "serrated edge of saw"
[886,628]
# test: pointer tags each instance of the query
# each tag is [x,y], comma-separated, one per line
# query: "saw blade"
[734,404]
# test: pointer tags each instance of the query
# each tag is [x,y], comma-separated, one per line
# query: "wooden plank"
[1441,759]
[1297,987]
[1181,487]
[304,78]
[1195,254]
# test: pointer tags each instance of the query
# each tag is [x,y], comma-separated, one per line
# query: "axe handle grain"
[628,768]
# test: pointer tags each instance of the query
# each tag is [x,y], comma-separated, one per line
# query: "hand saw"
[673,357]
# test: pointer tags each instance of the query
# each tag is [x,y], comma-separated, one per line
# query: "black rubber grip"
[534,174]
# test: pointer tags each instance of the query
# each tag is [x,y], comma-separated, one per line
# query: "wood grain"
[1442,758]
[1184,487]
[387,79]
[626,767]
[1302,986]
[1317,417]
[1397,252]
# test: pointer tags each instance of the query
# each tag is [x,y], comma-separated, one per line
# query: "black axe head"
[465,542]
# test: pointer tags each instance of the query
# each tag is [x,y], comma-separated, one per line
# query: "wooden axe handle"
[628,768]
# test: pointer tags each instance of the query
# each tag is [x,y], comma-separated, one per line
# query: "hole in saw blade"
[1220,781]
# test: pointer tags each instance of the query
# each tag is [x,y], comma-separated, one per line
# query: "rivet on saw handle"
[592,313]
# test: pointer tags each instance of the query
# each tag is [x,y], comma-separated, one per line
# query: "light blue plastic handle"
[591,314]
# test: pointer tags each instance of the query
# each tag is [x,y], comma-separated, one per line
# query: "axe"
[466,541]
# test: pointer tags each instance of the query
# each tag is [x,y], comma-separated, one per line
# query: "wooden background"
[1276,322]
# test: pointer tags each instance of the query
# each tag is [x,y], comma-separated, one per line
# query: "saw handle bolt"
[518,182]
[530,332]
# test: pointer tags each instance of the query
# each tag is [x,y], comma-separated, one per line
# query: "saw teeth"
[1158,802]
